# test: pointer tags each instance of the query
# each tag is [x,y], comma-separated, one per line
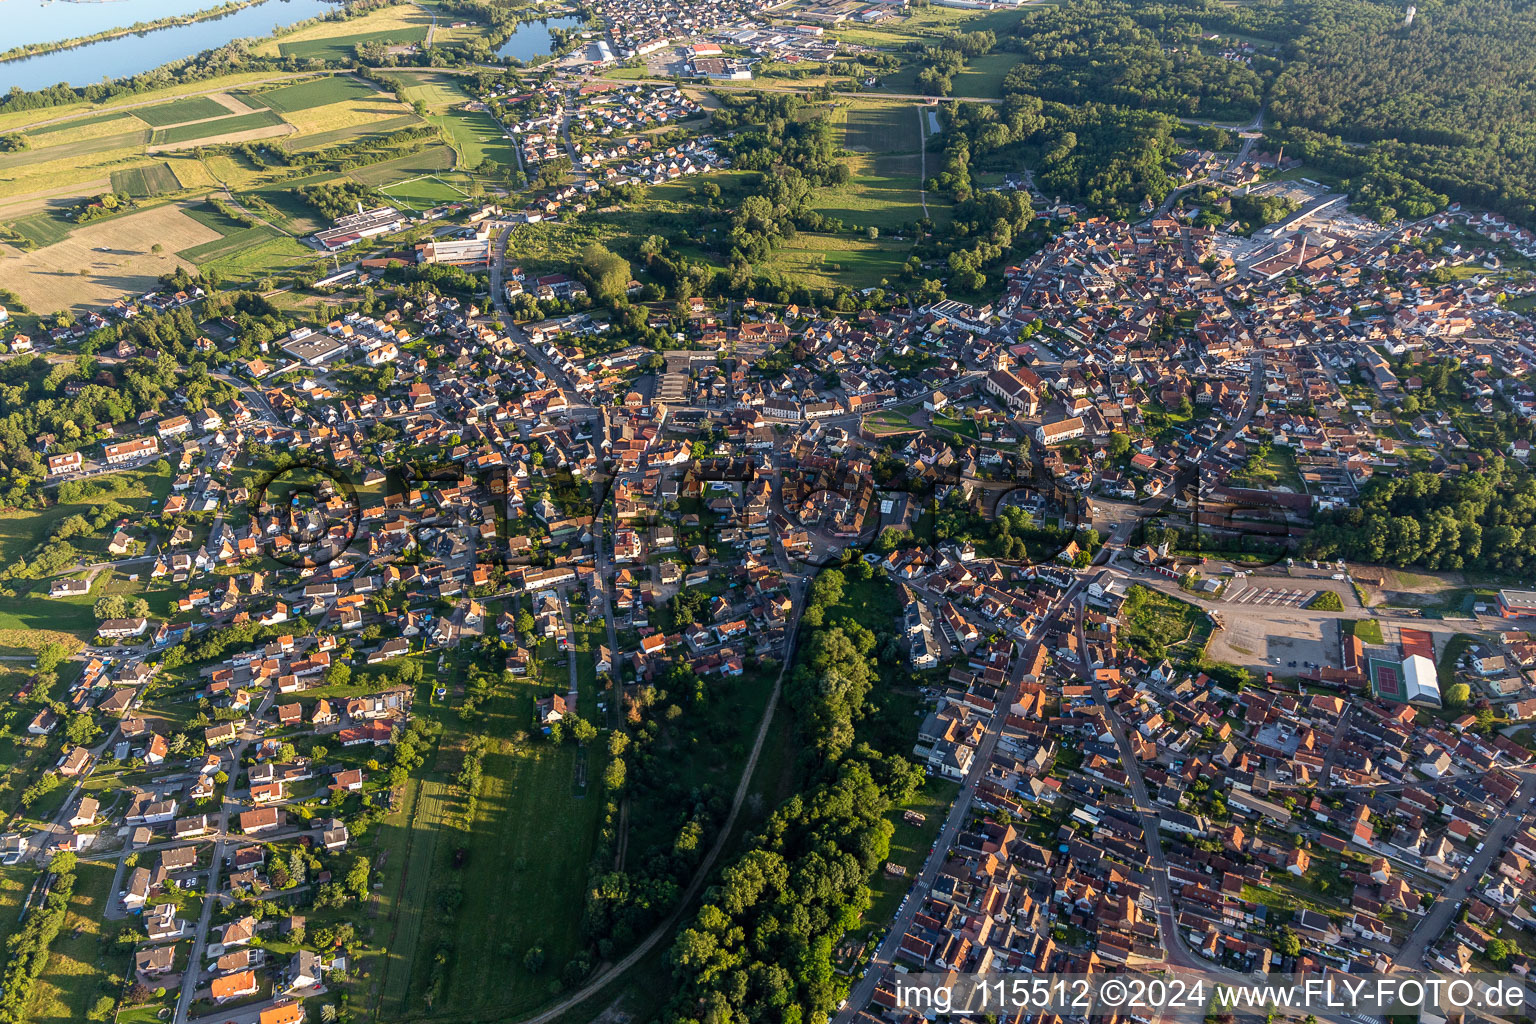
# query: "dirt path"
[607,977]
[922,160]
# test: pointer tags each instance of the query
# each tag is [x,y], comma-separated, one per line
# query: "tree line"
[1483,520]
[761,947]
[29,947]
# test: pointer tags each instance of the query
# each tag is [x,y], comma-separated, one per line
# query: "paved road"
[1174,950]
[885,954]
[189,979]
[1340,731]
[1444,909]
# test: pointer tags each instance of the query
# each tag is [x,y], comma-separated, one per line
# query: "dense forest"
[792,146]
[1107,157]
[1407,116]
[1484,520]
[1449,101]
[1144,57]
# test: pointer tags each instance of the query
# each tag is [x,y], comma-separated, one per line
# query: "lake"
[129,55]
[531,38]
[33,21]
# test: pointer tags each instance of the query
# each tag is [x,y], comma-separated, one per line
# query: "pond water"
[131,54]
[531,38]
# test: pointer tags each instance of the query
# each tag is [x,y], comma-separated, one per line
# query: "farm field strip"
[226,125]
[193,108]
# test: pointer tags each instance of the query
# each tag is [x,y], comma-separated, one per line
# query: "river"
[31,21]
[531,38]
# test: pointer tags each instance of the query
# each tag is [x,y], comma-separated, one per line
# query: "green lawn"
[140,491]
[885,143]
[1455,647]
[15,883]
[23,532]
[438,90]
[909,848]
[425,192]
[983,76]
[1277,470]
[1368,630]
[523,868]
[889,421]
[1151,619]
[822,261]
[84,957]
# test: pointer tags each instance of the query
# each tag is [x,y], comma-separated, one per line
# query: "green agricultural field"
[427,161]
[339,136]
[76,123]
[214,129]
[235,242]
[193,108]
[141,182]
[209,217]
[293,213]
[476,136]
[883,128]
[42,228]
[107,148]
[343,48]
[260,252]
[317,92]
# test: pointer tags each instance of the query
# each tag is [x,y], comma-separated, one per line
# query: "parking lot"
[1240,592]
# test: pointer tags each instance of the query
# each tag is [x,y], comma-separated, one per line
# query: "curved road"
[661,931]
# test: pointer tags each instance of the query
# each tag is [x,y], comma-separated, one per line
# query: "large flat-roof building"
[460,252]
[1515,603]
[355,227]
[1413,680]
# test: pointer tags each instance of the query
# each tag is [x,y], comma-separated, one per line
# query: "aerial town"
[654,510]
